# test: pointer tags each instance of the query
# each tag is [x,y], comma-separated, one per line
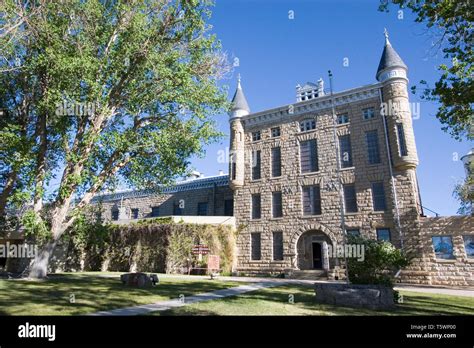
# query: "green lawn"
[92,293]
[95,292]
[276,301]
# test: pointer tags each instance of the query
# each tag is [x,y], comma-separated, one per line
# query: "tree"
[463,192]
[109,91]
[451,23]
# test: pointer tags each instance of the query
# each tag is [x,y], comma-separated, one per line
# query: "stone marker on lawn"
[355,295]
[140,280]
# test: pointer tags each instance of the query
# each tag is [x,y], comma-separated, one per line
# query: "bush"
[381,261]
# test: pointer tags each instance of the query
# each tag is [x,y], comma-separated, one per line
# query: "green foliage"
[463,192]
[451,25]
[148,74]
[381,260]
[157,246]
[36,227]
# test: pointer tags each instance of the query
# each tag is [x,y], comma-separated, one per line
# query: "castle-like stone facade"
[303,176]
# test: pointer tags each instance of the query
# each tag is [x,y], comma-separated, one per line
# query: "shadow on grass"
[91,293]
[276,300]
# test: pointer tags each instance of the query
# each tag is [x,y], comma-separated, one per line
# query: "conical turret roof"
[239,102]
[390,58]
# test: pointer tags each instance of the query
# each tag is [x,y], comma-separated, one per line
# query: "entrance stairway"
[311,274]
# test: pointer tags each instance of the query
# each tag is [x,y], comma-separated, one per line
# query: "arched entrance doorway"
[312,251]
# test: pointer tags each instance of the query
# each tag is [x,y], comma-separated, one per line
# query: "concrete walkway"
[180,302]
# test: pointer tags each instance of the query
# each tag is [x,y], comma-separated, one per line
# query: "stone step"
[312,274]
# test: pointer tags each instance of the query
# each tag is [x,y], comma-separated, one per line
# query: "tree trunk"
[7,190]
[39,268]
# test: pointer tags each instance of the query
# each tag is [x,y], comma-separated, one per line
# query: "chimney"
[221,172]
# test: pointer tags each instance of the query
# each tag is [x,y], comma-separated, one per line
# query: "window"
[353,232]
[276,161]
[309,156]
[277,246]
[368,113]
[346,151]
[469,246]
[378,196]
[350,199]
[277,209]
[155,211]
[401,140]
[311,200]
[256,246]
[307,125]
[342,119]
[256,165]
[177,210]
[275,132]
[202,209]
[115,214]
[256,136]
[443,247]
[234,167]
[383,234]
[229,207]
[373,147]
[134,213]
[256,206]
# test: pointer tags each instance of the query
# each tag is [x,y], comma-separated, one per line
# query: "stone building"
[303,176]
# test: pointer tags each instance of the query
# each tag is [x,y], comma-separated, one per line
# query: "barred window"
[275,132]
[307,125]
[277,209]
[309,156]
[256,206]
[255,244]
[311,200]
[401,140]
[342,118]
[277,246]
[378,196]
[256,136]
[276,161]
[346,151]
[350,198]
[383,234]
[256,165]
[373,152]
[368,113]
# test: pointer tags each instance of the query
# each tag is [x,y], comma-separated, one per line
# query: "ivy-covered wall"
[157,245]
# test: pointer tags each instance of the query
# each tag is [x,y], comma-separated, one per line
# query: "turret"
[392,73]
[239,109]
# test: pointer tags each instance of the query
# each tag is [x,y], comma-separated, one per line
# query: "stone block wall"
[293,223]
[427,269]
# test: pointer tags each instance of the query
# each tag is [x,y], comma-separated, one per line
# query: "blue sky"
[275,53]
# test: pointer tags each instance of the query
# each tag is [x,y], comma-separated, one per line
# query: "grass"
[93,291]
[276,301]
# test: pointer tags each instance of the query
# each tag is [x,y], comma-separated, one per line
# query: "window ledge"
[445,260]
[311,216]
[277,218]
[348,168]
[255,181]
